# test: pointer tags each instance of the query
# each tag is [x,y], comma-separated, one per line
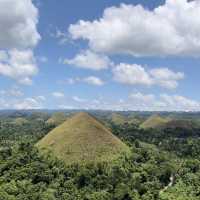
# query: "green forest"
[163,163]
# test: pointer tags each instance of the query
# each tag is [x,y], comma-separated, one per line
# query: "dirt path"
[169,185]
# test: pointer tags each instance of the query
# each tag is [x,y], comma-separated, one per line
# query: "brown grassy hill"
[185,124]
[20,121]
[118,119]
[57,118]
[82,139]
[155,121]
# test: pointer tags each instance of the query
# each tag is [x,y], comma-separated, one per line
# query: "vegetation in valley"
[163,164]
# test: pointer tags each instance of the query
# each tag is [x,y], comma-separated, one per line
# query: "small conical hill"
[82,138]
[155,121]
[20,121]
[57,119]
[118,119]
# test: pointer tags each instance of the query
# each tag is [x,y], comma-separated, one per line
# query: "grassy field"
[82,139]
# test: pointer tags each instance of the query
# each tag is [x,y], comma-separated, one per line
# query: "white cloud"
[78,99]
[58,94]
[150,102]
[19,65]
[142,98]
[62,36]
[177,102]
[18,21]
[13,98]
[68,107]
[18,37]
[4,104]
[171,29]
[166,77]
[3,56]
[27,103]
[89,60]
[42,98]
[163,102]
[137,101]
[13,92]
[93,80]
[136,74]
[131,74]
[72,81]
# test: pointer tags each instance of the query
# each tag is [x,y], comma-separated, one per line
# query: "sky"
[110,55]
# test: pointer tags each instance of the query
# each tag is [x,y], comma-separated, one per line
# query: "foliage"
[162,165]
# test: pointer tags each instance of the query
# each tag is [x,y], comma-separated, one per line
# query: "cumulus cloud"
[86,104]
[14,98]
[72,81]
[89,60]
[142,98]
[3,56]
[58,94]
[27,103]
[135,30]
[4,104]
[166,78]
[18,65]
[91,80]
[41,98]
[150,102]
[131,74]
[78,99]
[178,102]
[63,37]
[21,104]
[137,74]
[139,102]
[18,37]
[163,102]
[18,21]
[12,92]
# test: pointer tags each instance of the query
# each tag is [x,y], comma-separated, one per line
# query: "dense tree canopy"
[163,165]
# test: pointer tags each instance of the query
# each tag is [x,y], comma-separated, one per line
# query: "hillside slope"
[82,138]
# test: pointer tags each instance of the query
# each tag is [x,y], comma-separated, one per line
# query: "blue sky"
[116,55]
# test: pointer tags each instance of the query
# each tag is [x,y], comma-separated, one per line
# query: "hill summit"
[82,138]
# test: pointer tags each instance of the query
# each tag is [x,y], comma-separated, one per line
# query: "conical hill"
[82,138]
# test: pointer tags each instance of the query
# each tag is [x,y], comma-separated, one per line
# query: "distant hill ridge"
[82,138]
